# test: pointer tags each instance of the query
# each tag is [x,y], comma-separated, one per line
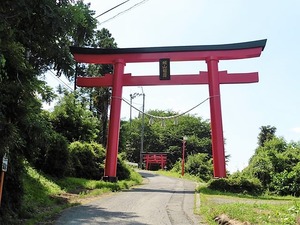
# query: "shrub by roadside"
[86,160]
[241,185]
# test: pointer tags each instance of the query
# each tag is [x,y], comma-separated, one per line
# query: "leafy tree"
[276,164]
[35,37]
[275,149]
[270,155]
[266,133]
[83,33]
[73,120]
[166,136]
[48,149]
[200,165]
[262,168]
[99,97]
[56,156]
[290,157]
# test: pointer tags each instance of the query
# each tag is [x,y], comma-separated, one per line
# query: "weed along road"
[161,200]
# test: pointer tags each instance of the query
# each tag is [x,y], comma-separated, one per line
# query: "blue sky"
[245,107]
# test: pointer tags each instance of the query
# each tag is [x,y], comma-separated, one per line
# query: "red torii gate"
[211,54]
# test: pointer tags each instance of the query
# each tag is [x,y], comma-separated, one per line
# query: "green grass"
[45,196]
[178,175]
[39,192]
[264,209]
[245,208]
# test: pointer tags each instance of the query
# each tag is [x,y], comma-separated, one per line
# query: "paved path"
[162,200]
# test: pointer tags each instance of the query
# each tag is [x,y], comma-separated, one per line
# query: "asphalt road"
[162,200]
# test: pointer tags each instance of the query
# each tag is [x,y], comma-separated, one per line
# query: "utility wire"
[167,117]
[60,80]
[66,85]
[126,10]
[140,111]
[111,9]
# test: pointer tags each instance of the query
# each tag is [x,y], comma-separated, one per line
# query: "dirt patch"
[77,199]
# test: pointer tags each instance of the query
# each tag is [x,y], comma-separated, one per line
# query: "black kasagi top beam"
[105,51]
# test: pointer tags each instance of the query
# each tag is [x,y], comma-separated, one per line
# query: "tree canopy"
[275,163]
[166,136]
[73,120]
[34,37]
[266,133]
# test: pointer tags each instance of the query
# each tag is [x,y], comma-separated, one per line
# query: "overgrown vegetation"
[35,37]
[276,164]
[44,196]
[26,57]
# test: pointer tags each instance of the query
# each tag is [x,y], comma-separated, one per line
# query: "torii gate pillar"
[212,54]
[218,151]
[114,123]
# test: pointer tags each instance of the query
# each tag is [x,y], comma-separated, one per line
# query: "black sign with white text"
[164,69]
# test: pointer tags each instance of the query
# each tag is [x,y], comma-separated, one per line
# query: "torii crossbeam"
[211,54]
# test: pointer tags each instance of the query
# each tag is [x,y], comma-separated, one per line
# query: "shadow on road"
[91,214]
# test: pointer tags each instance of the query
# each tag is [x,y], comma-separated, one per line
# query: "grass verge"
[178,175]
[45,197]
[245,208]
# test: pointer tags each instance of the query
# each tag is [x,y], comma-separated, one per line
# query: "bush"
[47,150]
[287,183]
[87,160]
[123,170]
[56,156]
[176,167]
[237,185]
[199,165]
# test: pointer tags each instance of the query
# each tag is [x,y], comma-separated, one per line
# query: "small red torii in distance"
[211,54]
[155,158]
